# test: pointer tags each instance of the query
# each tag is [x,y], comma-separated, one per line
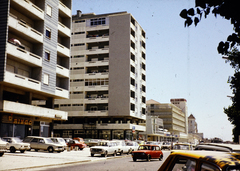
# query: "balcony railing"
[64,9]
[64,51]
[62,92]
[63,72]
[64,30]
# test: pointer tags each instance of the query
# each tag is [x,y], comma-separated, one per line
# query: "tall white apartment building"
[107,78]
[34,65]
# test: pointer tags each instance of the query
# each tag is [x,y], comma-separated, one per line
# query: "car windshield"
[144,148]
[48,140]
[61,140]
[103,144]
[181,147]
[16,140]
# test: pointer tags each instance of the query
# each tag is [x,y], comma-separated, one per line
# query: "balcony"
[22,81]
[62,72]
[64,30]
[64,9]
[96,75]
[33,111]
[125,126]
[92,39]
[24,30]
[25,56]
[97,63]
[96,87]
[63,51]
[96,100]
[29,8]
[62,93]
[96,113]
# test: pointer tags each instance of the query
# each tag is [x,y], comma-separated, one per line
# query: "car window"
[41,141]
[158,148]
[208,167]
[35,140]
[48,140]
[184,164]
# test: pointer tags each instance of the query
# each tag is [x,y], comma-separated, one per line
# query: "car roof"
[218,147]
[219,158]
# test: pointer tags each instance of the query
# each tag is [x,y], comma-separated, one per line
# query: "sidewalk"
[36,160]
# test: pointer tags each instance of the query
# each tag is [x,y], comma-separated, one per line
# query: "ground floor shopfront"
[12,125]
[98,134]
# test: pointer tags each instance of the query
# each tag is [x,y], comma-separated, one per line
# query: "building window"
[45,79]
[49,10]
[47,55]
[80,21]
[98,21]
[80,44]
[48,33]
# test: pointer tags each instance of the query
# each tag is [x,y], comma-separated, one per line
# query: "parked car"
[43,143]
[147,152]
[93,142]
[3,147]
[218,147]
[122,148]
[60,141]
[104,148]
[166,145]
[80,140]
[182,146]
[67,139]
[76,143]
[16,144]
[201,161]
[132,146]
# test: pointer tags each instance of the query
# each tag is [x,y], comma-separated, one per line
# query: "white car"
[104,148]
[122,148]
[60,141]
[132,146]
[3,147]
[16,144]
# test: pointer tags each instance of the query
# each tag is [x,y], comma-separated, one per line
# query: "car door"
[41,144]
[158,152]
[34,143]
[154,152]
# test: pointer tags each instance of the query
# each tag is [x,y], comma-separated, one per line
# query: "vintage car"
[154,143]
[122,148]
[81,141]
[3,147]
[16,144]
[201,161]
[104,148]
[132,145]
[147,152]
[219,147]
[182,146]
[60,141]
[43,143]
[166,145]
[76,143]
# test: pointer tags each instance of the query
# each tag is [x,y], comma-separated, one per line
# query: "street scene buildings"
[79,76]
[34,65]
[107,78]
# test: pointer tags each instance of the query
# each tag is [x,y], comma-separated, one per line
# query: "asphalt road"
[114,164]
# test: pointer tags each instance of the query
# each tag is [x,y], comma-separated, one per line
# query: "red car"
[147,152]
[74,143]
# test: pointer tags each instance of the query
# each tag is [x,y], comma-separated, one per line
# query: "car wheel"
[148,157]
[50,149]
[134,159]
[81,148]
[115,153]
[12,149]
[22,151]
[1,154]
[92,154]
[106,153]
[161,157]
[121,153]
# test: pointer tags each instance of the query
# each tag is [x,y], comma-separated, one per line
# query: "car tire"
[134,159]
[12,150]
[22,151]
[115,153]
[50,149]
[36,150]
[92,154]
[1,154]
[161,158]
[121,152]
[148,158]
[105,154]
[81,148]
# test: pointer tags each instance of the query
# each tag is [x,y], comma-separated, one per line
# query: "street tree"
[229,10]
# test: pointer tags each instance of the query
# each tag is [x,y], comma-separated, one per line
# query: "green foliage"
[230,10]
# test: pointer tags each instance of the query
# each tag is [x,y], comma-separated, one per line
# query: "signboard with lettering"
[16,120]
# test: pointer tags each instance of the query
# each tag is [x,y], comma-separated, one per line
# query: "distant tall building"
[192,125]
[34,65]
[108,78]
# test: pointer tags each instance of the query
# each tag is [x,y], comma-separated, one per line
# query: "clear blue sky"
[181,62]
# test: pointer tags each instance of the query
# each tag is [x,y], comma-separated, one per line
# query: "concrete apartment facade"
[107,80]
[174,119]
[193,136]
[34,65]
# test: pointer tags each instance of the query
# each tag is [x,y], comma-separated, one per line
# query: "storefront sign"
[17,120]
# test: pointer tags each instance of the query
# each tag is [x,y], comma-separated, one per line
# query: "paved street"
[42,160]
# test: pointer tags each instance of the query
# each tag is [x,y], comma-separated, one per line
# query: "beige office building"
[174,119]
[108,78]
[34,65]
